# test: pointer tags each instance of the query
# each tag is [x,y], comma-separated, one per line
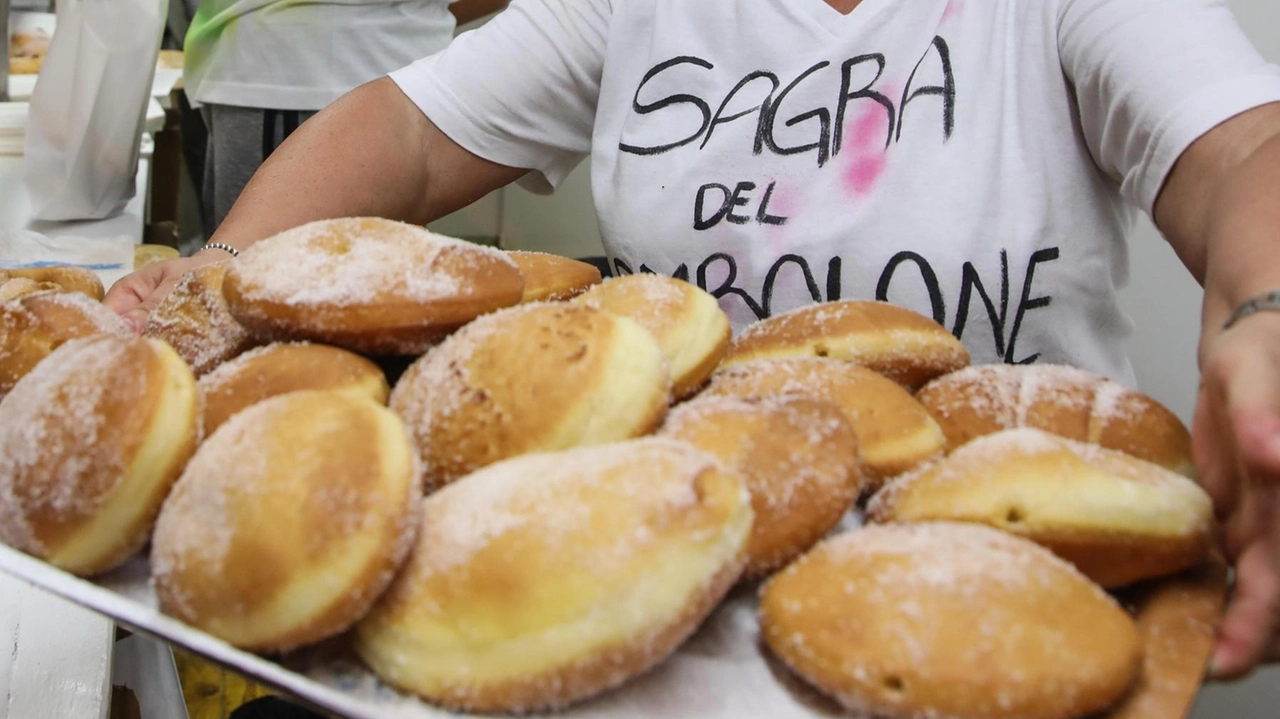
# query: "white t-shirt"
[304,54]
[969,159]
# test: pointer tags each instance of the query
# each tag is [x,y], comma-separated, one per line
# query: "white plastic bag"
[88,107]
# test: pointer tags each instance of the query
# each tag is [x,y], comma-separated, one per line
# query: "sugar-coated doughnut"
[25,65]
[35,325]
[537,377]
[147,255]
[894,432]
[1178,618]
[548,578]
[17,287]
[194,318]
[68,277]
[289,521]
[905,346]
[285,367]
[1066,401]
[949,620]
[368,285]
[692,330]
[90,443]
[552,278]
[798,457]
[1118,519]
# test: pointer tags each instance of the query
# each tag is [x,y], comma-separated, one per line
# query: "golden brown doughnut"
[27,50]
[68,277]
[907,347]
[1118,519]
[289,522]
[17,287]
[692,330]
[798,456]
[1178,618]
[368,285]
[146,255]
[548,578]
[1066,401]
[90,442]
[894,432]
[949,620]
[194,318]
[551,278]
[281,368]
[25,65]
[537,377]
[35,325]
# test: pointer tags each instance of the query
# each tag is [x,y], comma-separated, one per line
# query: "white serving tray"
[721,672]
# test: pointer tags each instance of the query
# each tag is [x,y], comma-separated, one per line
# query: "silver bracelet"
[219,246]
[1269,302]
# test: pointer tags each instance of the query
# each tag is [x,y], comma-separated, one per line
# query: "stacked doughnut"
[601,463]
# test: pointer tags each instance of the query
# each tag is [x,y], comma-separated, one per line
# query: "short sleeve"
[520,90]
[1152,76]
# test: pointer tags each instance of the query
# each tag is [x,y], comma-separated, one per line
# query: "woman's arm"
[467,10]
[1220,209]
[371,153]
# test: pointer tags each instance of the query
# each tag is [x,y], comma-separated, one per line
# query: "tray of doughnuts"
[397,475]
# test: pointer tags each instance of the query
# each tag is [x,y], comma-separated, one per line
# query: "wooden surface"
[55,658]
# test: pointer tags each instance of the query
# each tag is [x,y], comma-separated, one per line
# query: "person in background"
[978,161]
[260,68]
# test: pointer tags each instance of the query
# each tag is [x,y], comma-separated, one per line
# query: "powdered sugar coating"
[958,559]
[59,459]
[352,261]
[950,620]
[655,301]
[195,321]
[219,376]
[33,326]
[1067,401]
[900,343]
[328,459]
[556,492]
[1001,448]
[87,311]
[798,457]
[21,287]
[467,406]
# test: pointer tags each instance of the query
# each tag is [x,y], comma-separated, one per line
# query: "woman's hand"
[136,295]
[1218,210]
[1237,445]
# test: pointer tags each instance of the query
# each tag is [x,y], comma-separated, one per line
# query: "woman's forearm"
[371,153]
[1242,248]
[1220,209]
[467,10]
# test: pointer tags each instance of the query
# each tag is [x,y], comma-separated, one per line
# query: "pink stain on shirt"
[865,148]
[954,7]
[869,130]
[861,175]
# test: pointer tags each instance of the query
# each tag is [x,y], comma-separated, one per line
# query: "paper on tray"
[722,672]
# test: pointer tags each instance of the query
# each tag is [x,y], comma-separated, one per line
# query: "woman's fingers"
[134,297]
